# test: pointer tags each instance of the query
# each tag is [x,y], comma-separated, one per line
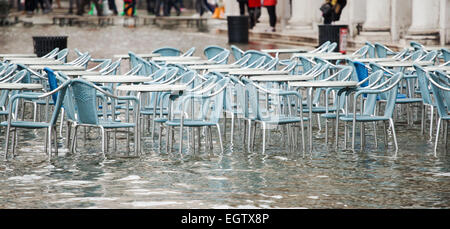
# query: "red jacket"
[254,3]
[269,2]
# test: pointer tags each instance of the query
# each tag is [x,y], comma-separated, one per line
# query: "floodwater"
[234,179]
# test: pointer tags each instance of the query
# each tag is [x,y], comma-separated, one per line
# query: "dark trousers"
[168,7]
[202,6]
[87,2]
[254,14]
[151,6]
[272,15]
[242,7]
[158,6]
[112,6]
[30,5]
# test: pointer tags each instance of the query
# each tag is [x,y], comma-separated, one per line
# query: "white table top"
[151,87]
[441,68]
[255,72]
[36,61]
[282,78]
[176,58]
[80,73]
[324,84]
[405,63]
[215,66]
[57,67]
[20,55]
[117,79]
[339,57]
[316,54]
[144,55]
[190,62]
[367,60]
[20,86]
[287,50]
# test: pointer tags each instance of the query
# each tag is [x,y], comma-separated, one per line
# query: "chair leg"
[8,128]
[445,134]
[422,123]
[14,143]
[431,123]
[180,150]
[55,140]
[249,135]
[103,141]
[61,124]
[438,127]
[395,137]
[232,129]
[49,143]
[375,134]
[74,140]
[220,137]
[264,137]
[385,135]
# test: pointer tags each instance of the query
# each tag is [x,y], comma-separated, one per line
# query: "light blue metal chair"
[367,112]
[331,47]
[86,106]
[255,55]
[51,54]
[321,48]
[212,51]
[383,51]
[441,91]
[285,109]
[13,123]
[221,57]
[167,51]
[426,98]
[62,55]
[237,52]
[445,54]
[189,52]
[416,45]
[208,107]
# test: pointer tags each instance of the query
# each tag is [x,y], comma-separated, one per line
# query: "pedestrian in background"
[271,9]
[87,2]
[168,8]
[158,7]
[77,4]
[254,11]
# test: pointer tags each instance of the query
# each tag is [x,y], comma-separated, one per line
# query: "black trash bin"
[334,33]
[238,29]
[4,10]
[45,44]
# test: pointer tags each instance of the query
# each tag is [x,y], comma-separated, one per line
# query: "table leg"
[310,118]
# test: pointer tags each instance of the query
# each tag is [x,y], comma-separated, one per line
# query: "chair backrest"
[414,55]
[306,63]
[8,71]
[243,60]
[62,55]
[441,94]
[382,51]
[257,63]
[446,54]
[362,72]
[371,51]
[133,59]
[148,66]
[237,52]
[103,65]
[331,47]
[416,45]
[322,47]
[423,84]
[167,51]
[212,51]
[391,92]
[51,54]
[189,52]
[255,55]
[430,56]
[112,69]
[271,65]
[221,57]
[363,51]
[85,101]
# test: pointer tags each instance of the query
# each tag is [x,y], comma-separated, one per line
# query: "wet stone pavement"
[234,179]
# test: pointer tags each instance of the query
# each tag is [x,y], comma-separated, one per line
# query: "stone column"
[400,19]
[425,17]
[301,13]
[378,15]
[445,22]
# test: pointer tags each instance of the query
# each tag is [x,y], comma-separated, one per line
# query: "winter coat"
[254,3]
[269,2]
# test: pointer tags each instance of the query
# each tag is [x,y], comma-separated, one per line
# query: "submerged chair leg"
[180,150]
[438,127]
[220,137]
[7,142]
[431,123]
[264,137]
[103,141]
[395,137]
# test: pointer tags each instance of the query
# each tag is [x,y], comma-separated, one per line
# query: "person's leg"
[209,6]
[112,6]
[157,7]
[166,8]
[272,16]
[150,9]
[242,8]
[258,14]
[174,4]
[252,15]
[97,7]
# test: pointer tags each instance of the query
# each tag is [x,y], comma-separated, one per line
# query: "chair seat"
[362,118]
[409,100]
[160,120]
[112,124]
[284,120]
[150,112]
[191,123]
[26,124]
[319,109]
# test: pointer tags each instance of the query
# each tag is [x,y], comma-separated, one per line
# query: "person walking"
[112,6]
[242,5]
[77,3]
[151,6]
[202,6]
[158,7]
[168,8]
[271,9]
[332,9]
[254,11]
